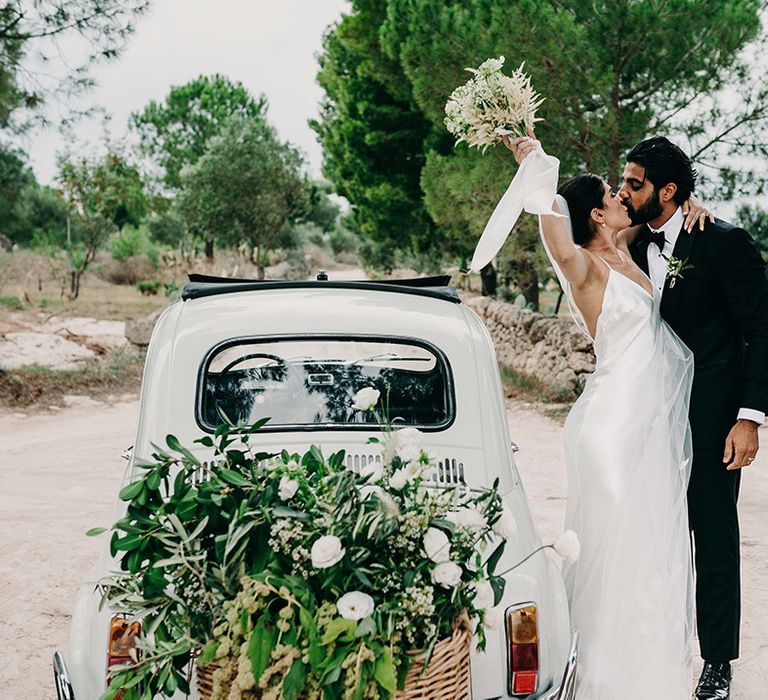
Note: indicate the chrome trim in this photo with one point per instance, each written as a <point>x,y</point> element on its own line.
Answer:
<point>64,689</point>
<point>515,447</point>
<point>567,688</point>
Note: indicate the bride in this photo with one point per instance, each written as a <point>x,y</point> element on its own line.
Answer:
<point>627,443</point>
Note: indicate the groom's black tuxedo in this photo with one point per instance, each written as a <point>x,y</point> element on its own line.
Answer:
<point>719,308</point>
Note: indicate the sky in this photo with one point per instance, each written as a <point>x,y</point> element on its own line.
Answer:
<point>269,46</point>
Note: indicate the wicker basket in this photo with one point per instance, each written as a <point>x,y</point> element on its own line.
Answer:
<point>445,678</point>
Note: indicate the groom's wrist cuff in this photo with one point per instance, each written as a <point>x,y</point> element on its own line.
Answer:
<point>751,414</point>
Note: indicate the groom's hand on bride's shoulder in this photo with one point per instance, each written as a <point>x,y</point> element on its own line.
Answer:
<point>741,445</point>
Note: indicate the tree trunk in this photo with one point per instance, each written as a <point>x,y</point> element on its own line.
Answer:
<point>528,282</point>
<point>74,284</point>
<point>209,248</point>
<point>489,280</point>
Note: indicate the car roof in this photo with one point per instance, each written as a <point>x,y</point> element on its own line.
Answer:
<point>435,287</point>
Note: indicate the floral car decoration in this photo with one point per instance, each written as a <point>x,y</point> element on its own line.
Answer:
<point>293,576</point>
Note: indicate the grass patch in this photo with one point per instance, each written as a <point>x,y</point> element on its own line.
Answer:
<point>13,303</point>
<point>519,385</point>
<point>28,387</point>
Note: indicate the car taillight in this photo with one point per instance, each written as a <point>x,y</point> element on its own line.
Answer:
<point>523,641</point>
<point>121,644</point>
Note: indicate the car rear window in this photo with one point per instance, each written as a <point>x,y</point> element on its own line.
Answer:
<point>310,382</point>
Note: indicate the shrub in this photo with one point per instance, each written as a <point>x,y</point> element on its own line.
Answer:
<point>13,303</point>
<point>149,287</point>
<point>132,242</point>
<point>129,271</point>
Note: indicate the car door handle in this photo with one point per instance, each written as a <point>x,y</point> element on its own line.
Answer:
<point>515,447</point>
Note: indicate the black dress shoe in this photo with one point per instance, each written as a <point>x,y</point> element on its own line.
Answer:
<point>715,682</point>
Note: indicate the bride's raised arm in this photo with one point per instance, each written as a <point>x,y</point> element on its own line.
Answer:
<point>572,260</point>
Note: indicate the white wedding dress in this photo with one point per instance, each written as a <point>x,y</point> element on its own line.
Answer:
<point>628,458</point>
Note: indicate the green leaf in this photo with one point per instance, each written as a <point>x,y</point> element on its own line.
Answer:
<point>285,512</point>
<point>498,584</point>
<point>127,543</point>
<point>493,560</point>
<point>259,648</point>
<point>232,477</point>
<point>365,627</point>
<point>128,493</point>
<point>95,531</point>
<point>384,671</point>
<point>294,680</point>
<point>208,653</point>
<point>338,627</point>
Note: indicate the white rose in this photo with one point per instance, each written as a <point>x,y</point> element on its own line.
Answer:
<point>493,618</point>
<point>409,436</point>
<point>373,471</point>
<point>404,475</point>
<point>568,546</point>
<point>288,488</point>
<point>408,453</point>
<point>366,398</point>
<point>483,595</point>
<point>436,545</point>
<point>467,517</point>
<point>326,551</point>
<point>355,605</point>
<point>447,574</point>
<point>292,464</point>
<point>506,526</point>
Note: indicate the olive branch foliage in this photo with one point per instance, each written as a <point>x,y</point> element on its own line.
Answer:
<point>194,537</point>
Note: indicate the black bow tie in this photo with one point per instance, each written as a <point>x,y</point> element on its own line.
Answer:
<point>656,237</point>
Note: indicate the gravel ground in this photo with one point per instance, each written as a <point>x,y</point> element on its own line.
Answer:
<point>61,473</point>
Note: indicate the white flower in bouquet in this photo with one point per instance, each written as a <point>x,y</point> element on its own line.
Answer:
<point>373,471</point>
<point>483,595</point>
<point>408,453</point>
<point>568,546</point>
<point>326,551</point>
<point>355,605</point>
<point>492,104</point>
<point>447,574</point>
<point>366,398</point>
<point>493,618</point>
<point>506,526</point>
<point>405,475</point>
<point>470,518</point>
<point>288,488</point>
<point>437,545</point>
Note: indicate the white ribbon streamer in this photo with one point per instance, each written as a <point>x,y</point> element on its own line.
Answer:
<point>533,188</point>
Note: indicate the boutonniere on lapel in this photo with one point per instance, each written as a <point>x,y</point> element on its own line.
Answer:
<point>675,268</point>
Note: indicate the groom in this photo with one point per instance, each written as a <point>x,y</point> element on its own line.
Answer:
<point>715,297</point>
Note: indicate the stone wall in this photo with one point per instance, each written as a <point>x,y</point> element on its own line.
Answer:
<point>551,349</point>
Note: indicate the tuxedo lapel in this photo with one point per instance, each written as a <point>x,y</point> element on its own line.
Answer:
<point>639,250</point>
<point>674,287</point>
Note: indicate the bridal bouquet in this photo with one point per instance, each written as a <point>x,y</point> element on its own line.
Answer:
<point>491,105</point>
<point>293,576</point>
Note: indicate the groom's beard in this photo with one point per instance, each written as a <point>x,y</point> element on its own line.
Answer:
<point>649,211</point>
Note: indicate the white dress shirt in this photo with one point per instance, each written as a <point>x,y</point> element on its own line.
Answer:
<point>657,267</point>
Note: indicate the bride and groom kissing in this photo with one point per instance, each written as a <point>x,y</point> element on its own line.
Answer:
<point>676,304</point>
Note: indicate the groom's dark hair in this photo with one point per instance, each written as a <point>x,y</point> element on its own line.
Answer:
<point>664,163</point>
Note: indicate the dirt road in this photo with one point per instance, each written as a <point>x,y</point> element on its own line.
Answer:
<point>61,472</point>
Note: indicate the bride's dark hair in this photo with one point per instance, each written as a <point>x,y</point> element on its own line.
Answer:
<point>583,194</point>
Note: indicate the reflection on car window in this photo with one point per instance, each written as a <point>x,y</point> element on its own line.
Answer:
<point>308,382</point>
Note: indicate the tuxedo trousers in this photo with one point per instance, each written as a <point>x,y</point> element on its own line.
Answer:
<point>713,493</point>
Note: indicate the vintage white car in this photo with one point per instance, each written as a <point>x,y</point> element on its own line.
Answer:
<point>296,351</point>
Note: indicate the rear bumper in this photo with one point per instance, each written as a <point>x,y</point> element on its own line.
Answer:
<point>61,678</point>
<point>565,691</point>
<point>567,688</point>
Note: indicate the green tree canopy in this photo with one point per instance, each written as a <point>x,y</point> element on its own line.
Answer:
<point>244,189</point>
<point>175,132</point>
<point>611,72</point>
<point>102,195</point>
<point>95,30</point>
